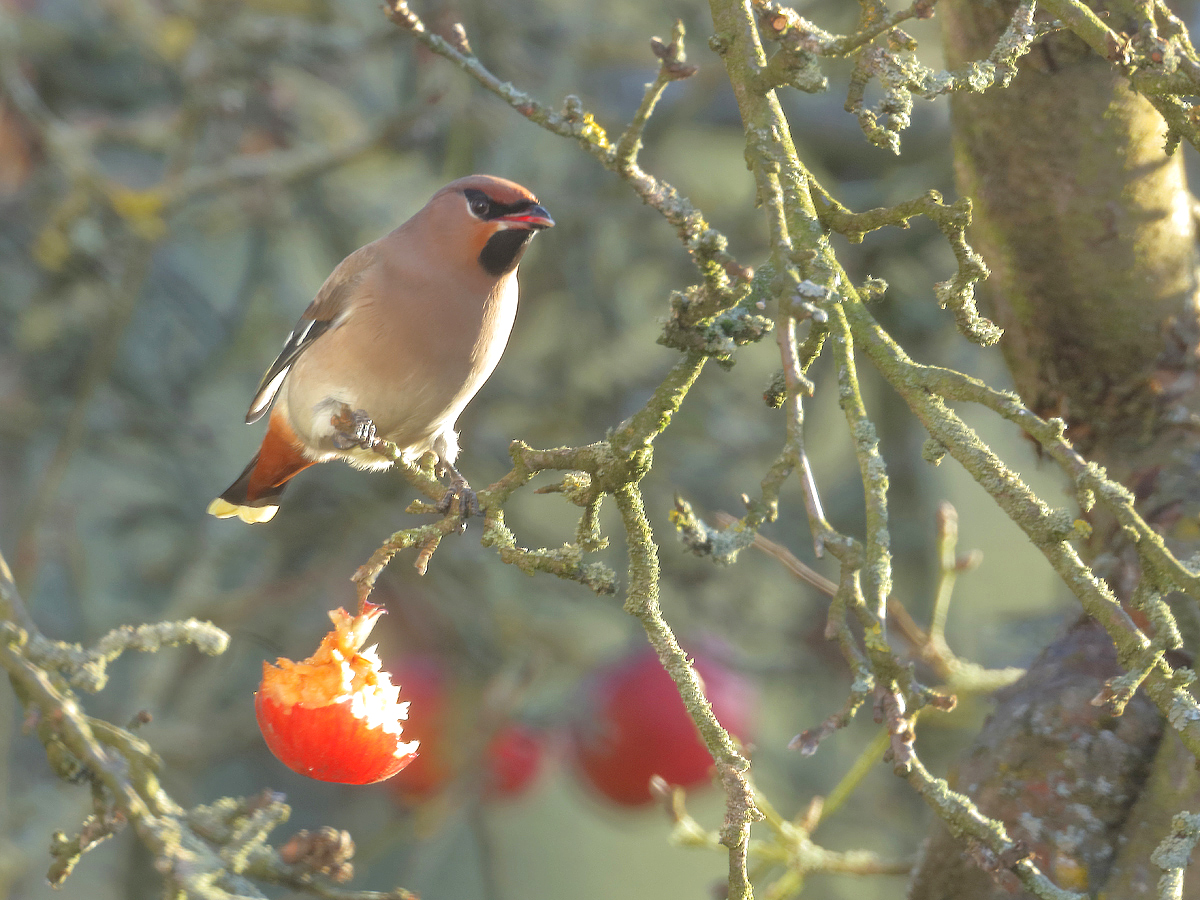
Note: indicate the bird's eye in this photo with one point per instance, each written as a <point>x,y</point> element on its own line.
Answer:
<point>478,204</point>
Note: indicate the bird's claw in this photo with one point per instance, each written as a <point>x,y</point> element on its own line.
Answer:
<point>459,494</point>
<point>354,430</point>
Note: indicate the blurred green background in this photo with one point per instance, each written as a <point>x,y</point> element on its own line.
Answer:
<point>133,338</point>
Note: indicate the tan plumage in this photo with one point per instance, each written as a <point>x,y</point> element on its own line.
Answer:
<point>406,329</point>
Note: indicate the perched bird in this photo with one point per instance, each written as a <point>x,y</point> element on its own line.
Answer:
<point>398,340</point>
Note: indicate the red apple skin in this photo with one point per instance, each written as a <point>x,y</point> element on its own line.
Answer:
<point>632,724</point>
<point>329,743</point>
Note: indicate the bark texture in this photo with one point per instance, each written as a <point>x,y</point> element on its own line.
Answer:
<point>1060,773</point>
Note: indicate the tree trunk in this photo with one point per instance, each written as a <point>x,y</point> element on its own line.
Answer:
<point>1087,227</point>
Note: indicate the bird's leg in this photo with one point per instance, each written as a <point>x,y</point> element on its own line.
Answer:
<point>354,429</point>
<point>460,492</point>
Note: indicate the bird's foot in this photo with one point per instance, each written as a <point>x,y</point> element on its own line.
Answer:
<point>354,430</point>
<point>459,496</point>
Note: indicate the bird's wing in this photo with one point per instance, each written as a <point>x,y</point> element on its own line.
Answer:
<point>325,312</point>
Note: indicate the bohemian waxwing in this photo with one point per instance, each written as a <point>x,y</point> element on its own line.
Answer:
<point>400,338</point>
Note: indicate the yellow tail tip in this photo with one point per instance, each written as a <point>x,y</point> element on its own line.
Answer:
<point>251,515</point>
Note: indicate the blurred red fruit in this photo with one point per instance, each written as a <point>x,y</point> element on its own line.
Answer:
<point>632,724</point>
<point>335,716</point>
<point>427,687</point>
<point>514,758</point>
<point>446,719</point>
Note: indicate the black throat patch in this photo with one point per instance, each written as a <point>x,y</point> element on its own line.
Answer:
<point>503,250</point>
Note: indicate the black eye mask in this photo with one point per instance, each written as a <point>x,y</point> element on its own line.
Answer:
<point>493,209</point>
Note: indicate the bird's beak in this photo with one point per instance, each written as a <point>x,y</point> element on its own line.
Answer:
<point>534,218</point>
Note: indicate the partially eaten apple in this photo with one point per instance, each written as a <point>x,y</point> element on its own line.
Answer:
<point>336,716</point>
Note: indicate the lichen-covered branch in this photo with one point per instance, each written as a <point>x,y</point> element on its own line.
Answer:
<point>959,675</point>
<point>1173,854</point>
<point>898,696</point>
<point>1049,530</point>
<point>674,67</point>
<point>87,669</point>
<point>790,848</point>
<point>896,67</point>
<point>797,33</point>
<point>877,563</point>
<point>642,603</point>
<point>1166,572</point>
<point>958,293</point>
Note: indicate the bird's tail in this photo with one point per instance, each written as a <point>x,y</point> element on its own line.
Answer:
<point>254,497</point>
<point>236,500</point>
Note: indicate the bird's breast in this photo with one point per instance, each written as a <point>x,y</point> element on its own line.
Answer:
<point>412,363</point>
